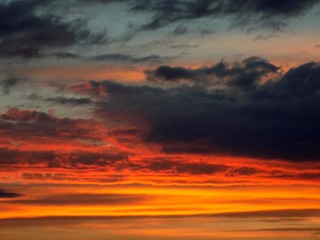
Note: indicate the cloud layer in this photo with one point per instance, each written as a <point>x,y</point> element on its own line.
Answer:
<point>244,13</point>
<point>33,29</point>
<point>242,108</point>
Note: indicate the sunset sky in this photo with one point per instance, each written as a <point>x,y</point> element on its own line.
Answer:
<point>159,119</point>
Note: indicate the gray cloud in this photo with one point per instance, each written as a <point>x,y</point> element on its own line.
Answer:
<point>244,13</point>
<point>180,30</point>
<point>245,74</point>
<point>30,29</point>
<point>237,109</point>
<point>10,82</point>
<point>129,58</point>
<point>70,101</point>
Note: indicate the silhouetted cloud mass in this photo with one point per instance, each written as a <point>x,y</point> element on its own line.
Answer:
<point>245,108</point>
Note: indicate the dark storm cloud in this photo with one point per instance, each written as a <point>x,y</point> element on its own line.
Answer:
<point>28,29</point>
<point>254,111</point>
<point>7,194</point>
<point>272,14</point>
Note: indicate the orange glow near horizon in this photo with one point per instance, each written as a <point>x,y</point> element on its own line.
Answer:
<point>102,178</point>
<point>158,200</point>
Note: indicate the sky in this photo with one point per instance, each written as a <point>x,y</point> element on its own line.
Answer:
<point>159,119</point>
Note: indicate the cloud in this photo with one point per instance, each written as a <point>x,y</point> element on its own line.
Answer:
<point>244,171</point>
<point>129,58</point>
<point>9,83</point>
<point>263,37</point>
<point>180,30</point>
<point>61,142</point>
<point>84,199</point>
<point>70,101</point>
<point>16,157</point>
<point>269,14</point>
<point>44,176</point>
<point>284,213</point>
<point>290,229</point>
<point>181,46</point>
<point>244,74</point>
<point>102,159</point>
<point>31,29</point>
<point>7,194</point>
<point>65,55</point>
<point>20,124</point>
<point>103,1</point>
<point>172,166</point>
<point>315,236</point>
<point>56,159</point>
<point>37,29</point>
<point>244,109</point>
